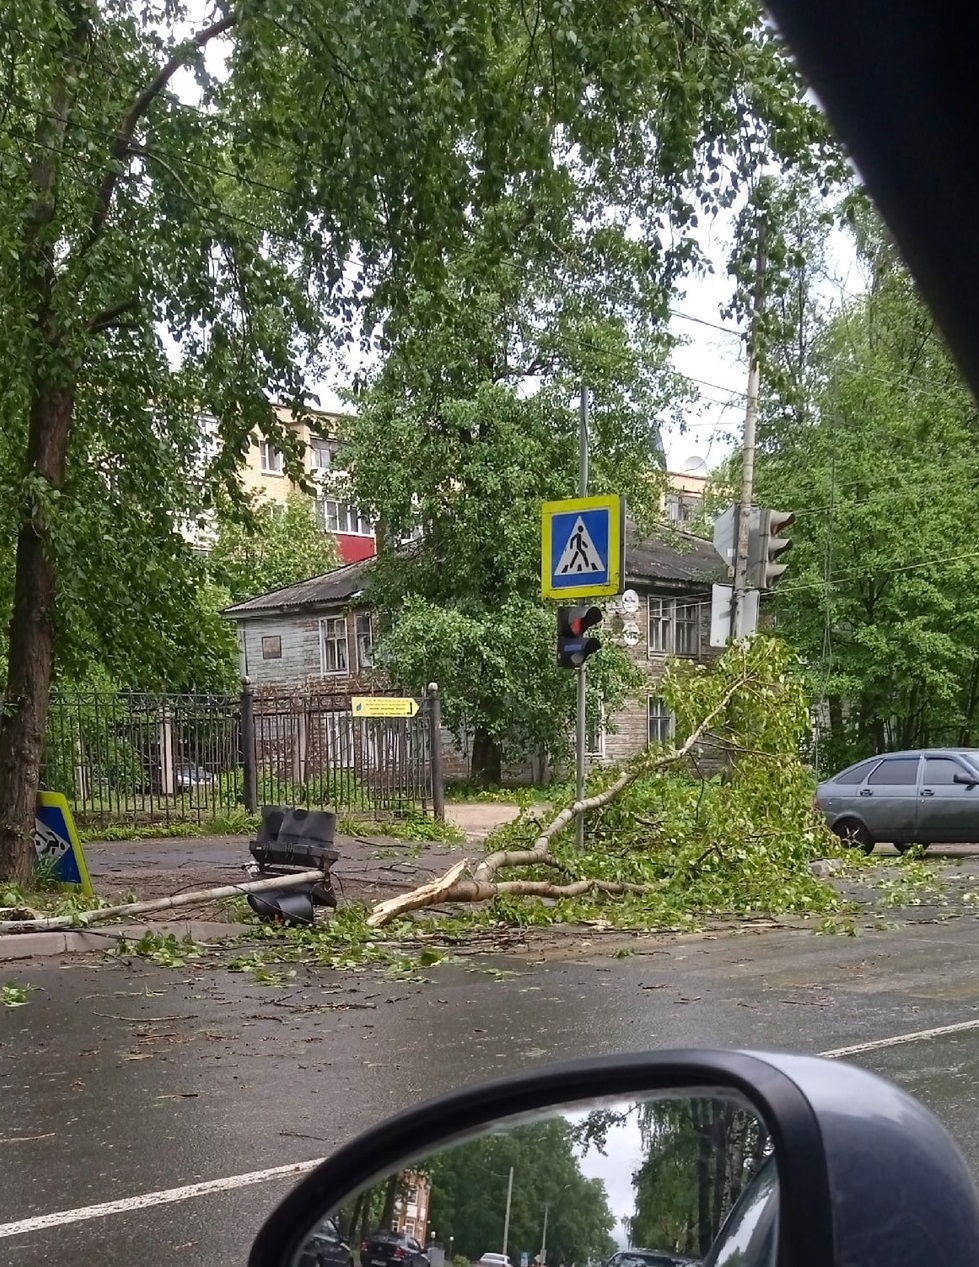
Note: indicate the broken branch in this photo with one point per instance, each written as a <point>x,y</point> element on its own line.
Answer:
<point>482,886</point>
<point>83,918</point>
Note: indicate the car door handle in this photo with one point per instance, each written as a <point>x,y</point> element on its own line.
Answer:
<point>927,791</point>
<point>866,792</point>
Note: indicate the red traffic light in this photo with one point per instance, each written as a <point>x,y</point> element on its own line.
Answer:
<point>573,648</point>
<point>579,623</point>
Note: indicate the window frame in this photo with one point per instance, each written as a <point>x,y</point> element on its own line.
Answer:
<point>667,625</point>
<point>339,672</point>
<point>266,453</point>
<point>317,447</point>
<point>892,761</point>
<point>668,716</point>
<point>362,665</point>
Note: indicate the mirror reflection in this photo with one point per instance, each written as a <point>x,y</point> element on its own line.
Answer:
<point>664,1181</point>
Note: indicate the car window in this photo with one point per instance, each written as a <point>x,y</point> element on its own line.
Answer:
<point>750,1236</point>
<point>895,771</point>
<point>858,773</point>
<point>328,1231</point>
<point>413,1244</point>
<point>942,770</point>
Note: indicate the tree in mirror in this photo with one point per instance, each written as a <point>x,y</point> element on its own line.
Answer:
<point>658,1182</point>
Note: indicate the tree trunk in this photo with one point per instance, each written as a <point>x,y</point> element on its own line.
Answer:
<point>486,766</point>
<point>390,1196</point>
<point>32,631</point>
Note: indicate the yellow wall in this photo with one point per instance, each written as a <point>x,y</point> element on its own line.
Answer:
<point>276,488</point>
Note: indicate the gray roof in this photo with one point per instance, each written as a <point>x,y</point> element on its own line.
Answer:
<point>676,557</point>
<point>683,560</point>
<point>328,590</point>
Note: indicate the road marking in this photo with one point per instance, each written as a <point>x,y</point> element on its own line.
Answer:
<point>164,1197</point>
<point>167,1195</point>
<point>915,1036</point>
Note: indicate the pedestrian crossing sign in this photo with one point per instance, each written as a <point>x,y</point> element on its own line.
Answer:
<point>582,547</point>
<point>57,848</point>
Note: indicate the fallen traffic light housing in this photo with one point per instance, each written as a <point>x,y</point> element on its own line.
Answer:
<point>289,841</point>
<point>283,906</point>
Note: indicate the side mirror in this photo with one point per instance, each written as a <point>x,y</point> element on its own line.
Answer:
<point>723,1158</point>
<point>967,779</point>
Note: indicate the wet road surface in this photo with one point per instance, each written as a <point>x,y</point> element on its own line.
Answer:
<point>124,1079</point>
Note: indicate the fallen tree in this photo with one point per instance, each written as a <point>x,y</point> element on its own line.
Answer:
<point>749,705</point>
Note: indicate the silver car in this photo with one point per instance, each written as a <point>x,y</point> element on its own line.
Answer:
<point>926,797</point>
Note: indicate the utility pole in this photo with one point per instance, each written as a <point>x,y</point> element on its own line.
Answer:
<point>581,723</point>
<point>543,1240</point>
<point>506,1221</point>
<point>748,444</point>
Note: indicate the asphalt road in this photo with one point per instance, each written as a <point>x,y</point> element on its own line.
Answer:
<point>119,1080</point>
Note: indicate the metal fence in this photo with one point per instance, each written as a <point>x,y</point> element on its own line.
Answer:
<point>136,758</point>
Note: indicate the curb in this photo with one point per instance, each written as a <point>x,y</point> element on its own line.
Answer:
<point>72,941</point>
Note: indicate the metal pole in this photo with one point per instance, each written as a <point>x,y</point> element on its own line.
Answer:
<point>249,756</point>
<point>506,1221</point>
<point>437,765</point>
<point>748,448</point>
<point>543,1239</point>
<point>581,719</point>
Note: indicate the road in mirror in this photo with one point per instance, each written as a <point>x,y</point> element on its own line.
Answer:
<point>658,1182</point>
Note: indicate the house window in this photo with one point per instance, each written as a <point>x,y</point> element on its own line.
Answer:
<point>674,627</point>
<point>271,458</point>
<point>683,508</point>
<point>365,641</point>
<point>409,1227</point>
<point>595,732</point>
<point>271,647</point>
<point>320,454</point>
<point>333,645</point>
<point>334,516</point>
<point>660,721</point>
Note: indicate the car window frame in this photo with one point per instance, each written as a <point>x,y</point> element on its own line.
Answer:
<point>874,762</point>
<point>960,764</point>
<point>895,757</point>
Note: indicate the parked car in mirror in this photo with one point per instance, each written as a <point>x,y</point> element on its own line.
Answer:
<point>925,797</point>
<point>326,1248</point>
<point>392,1249</point>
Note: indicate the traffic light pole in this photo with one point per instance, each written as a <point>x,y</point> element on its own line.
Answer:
<point>738,622</point>
<point>581,720</point>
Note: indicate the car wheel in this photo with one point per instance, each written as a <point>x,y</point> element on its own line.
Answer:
<point>854,835</point>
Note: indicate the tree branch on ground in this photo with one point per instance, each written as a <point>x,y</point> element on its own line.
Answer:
<point>481,884</point>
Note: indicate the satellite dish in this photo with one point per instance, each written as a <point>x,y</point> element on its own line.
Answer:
<point>630,634</point>
<point>630,601</point>
<point>695,465</point>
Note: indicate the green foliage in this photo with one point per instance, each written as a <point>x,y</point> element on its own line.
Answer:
<point>12,995</point>
<point>274,548</point>
<point>869,419</point>
<point>708,844</point>
<point>167,950</point>
<point>469,1190</point>
<point>234,823</point>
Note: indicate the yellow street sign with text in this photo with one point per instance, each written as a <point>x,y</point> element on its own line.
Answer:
<point>382,706</point>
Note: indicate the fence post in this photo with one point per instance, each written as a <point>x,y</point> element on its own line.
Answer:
<point>435,732</point>
<point>248,755</point>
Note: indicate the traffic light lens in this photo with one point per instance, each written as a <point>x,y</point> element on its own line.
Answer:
<point>576,627</point>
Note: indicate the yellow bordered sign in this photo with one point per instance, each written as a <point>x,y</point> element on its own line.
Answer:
<point>56,843</point>
<point>582,547</point>
<point>382,706</point>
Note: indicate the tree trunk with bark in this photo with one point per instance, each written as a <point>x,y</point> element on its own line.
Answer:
<point>32,636</point>
<point>486,766</point>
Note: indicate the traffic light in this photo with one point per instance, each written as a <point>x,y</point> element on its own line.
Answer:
<point>767,543</point>
<point>573,648</point>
